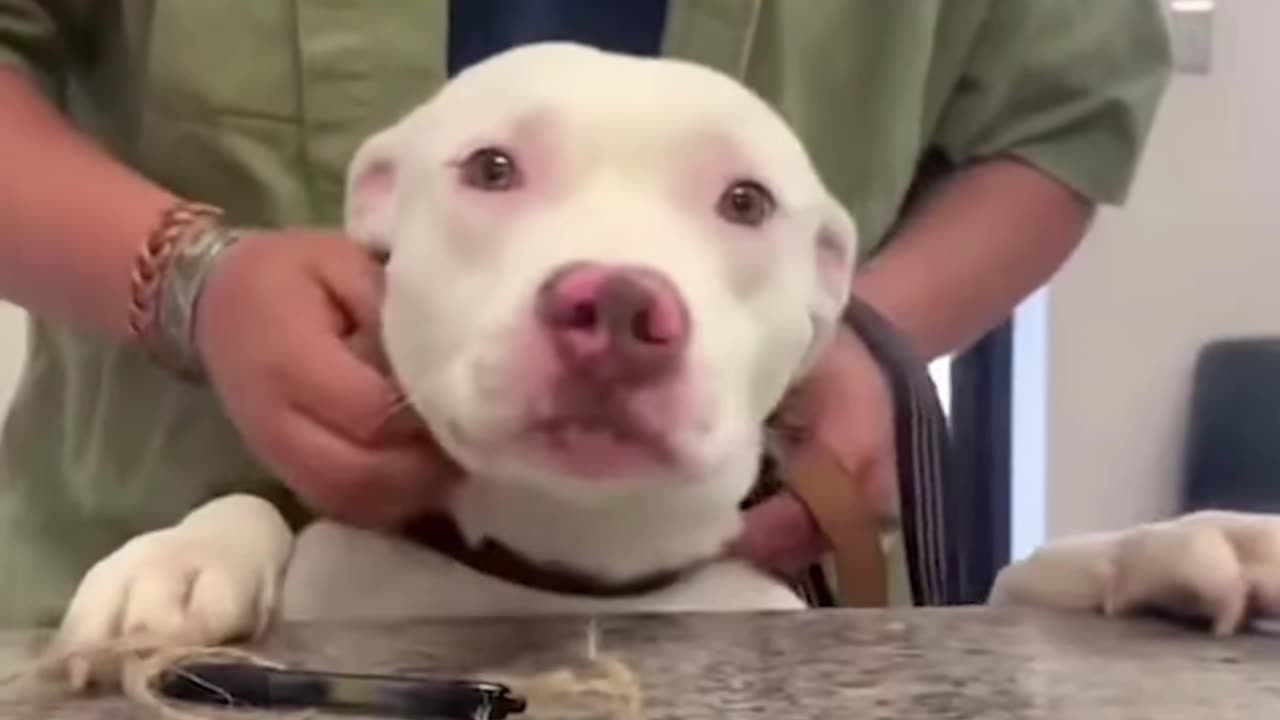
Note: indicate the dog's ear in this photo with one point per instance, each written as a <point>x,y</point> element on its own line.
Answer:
<point>836,251</point>
<point>372,179</point>
<point>835,245</point>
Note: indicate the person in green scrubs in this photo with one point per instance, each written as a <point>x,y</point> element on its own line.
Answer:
<point>1029,114</point>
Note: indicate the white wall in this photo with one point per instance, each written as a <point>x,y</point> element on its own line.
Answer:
<point>1195,256</point>
<point>13,343</point>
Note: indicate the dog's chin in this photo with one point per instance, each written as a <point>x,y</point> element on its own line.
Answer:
<point>607,507</point>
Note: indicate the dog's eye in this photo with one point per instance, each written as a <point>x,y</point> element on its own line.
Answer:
<point>490,169</point>
<point>746,203</point>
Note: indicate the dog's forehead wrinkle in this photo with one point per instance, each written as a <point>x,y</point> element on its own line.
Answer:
<point>624,112</point>
<point>583,81</point>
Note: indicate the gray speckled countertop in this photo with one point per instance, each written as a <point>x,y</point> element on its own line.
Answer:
<point>959,664</point>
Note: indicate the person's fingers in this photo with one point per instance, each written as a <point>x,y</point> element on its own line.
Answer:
<point>406,482</point>
<point>780,536</point>
<point>332,386</point>
<point>356,484</point>
<point>328,382</point>
<point>366,344</point>
<point>864,448</point>
<point>791,420</point>
<point>354,281</point>
<point>342,378</point>
<point>331,382</point>
<point>402,424</point>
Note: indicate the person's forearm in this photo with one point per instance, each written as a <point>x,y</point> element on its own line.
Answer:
<point>72,219</point>
<point>965,259</point>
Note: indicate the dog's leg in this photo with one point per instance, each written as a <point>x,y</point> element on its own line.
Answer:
<point>1214,566</point>
<point>210,579</point>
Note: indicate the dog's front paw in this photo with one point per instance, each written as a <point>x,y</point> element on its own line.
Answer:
<point>1218,566</point>
<point>211,579</point>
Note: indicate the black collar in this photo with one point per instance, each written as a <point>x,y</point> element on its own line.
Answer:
<point>496,560</point>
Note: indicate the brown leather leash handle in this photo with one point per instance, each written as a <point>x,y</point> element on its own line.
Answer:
<point>923,444</point>
<point>847,521</point>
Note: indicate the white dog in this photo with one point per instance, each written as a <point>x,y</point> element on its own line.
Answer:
<point>604,272</point>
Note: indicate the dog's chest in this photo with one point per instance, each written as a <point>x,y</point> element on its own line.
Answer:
<point>340,573</point>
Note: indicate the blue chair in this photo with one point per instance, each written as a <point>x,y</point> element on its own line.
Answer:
<point>1232,456</point>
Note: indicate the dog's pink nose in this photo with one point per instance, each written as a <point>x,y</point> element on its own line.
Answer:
<point>623,323</point>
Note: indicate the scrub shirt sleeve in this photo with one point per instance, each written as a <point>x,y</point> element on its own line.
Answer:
<point>1069,86</point>
<point>38,36</point>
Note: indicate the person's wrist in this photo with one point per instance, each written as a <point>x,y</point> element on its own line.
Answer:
<point>193,262</point>
<point>168,277</point>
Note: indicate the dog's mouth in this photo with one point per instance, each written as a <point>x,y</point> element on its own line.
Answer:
<point>605,443</point>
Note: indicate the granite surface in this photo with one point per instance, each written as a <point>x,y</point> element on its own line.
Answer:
<point>955,664</point>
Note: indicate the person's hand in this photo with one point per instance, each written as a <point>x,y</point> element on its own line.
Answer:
<point>285,325</point>
<point>843,407</point>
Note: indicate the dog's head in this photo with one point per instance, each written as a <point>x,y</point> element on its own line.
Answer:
<point>604,271</point>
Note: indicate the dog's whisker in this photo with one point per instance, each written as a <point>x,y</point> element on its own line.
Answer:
<point>403,402</point>
<point>399,406</point>
<point>593,639</point>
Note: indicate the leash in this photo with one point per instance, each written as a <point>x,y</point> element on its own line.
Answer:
<point>851,527</point>
<point>836,502</point>
<point>923,445</point>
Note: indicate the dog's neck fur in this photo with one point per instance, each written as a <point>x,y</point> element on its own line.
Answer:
<point>651,532</point>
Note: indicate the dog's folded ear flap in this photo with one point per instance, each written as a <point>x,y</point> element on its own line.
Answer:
<point>835,242</point>
<point>371,191</point>
<point>836,250</point>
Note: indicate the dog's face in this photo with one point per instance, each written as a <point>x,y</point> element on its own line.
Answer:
<point>604,271</point>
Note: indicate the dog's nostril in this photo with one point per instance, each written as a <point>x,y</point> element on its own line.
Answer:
<point>581,316</point>
<point>624,320</point>
<point>643,327</point>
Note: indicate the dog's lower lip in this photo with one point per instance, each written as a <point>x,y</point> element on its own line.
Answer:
<point>601,446</point>
<point>618,429</point>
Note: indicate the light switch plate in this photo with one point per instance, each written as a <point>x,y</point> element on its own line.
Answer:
<point>1191,29</point>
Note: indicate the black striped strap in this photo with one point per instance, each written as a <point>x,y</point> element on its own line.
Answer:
<point>923,446</point>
